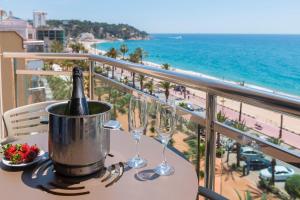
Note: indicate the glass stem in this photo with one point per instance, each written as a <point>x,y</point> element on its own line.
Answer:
<point>137,148</point>
<point>164,154</point>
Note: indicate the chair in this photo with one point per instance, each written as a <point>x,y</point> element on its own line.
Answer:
<point>26,119</point>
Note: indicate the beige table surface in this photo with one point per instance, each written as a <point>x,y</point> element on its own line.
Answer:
<point>182,185</point>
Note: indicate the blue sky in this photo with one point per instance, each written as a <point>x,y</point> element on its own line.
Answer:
<point>174,16</point>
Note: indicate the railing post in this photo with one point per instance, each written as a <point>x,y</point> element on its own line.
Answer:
<point>2,135</point>
<point>210,142</point>
<point>198,164</point>
<point>91,80</point>
<point>14,81</point>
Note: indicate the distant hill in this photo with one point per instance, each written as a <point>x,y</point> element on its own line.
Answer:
<point>74,28</point>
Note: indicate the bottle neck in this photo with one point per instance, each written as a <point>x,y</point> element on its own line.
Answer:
<point>78,91</point>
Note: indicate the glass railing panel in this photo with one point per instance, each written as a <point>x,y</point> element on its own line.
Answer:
<point>43,88</point>
<point>252,173</point>
<point>265,124</point>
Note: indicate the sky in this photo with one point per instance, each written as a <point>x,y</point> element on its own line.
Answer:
<point>174,16</point>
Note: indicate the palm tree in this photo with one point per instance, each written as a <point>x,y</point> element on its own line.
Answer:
<point>67,64</point>
<point>150,86</point>
<point>141,79</point>
<point>99,91</point>
<point>140,53</point>
<point>221,117</point>
<point>112,53</point>
<point>56,47</point>
<point>191,154</point>
<point>77,47</point>
<point>119,102</point>
<point>241,103</point>
<point>166,66</point>
<point>61,87</point>
<point>240,125</point>
<point>134,57</point>
<point>276,141</point>
<point>123,50</point>
<point>166,86</point>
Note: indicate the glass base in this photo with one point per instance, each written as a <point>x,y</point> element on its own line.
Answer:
<point>137,162</point>
<point>164,169</point>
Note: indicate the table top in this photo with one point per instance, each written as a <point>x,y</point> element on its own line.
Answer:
<point>26,183</point>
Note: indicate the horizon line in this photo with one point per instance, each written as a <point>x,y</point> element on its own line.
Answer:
<point>208,33</point>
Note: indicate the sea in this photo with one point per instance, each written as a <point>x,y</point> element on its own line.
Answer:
<point>270,62</point>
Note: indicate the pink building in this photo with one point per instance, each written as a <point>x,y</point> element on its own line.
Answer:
<point>22,27</point>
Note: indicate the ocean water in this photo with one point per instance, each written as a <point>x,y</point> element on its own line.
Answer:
<point>270,61</point>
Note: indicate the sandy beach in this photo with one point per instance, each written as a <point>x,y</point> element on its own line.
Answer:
<point>269,120</point>
<point>89,46</point>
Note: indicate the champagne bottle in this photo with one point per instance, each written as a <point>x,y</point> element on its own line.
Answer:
<point>78,104</point>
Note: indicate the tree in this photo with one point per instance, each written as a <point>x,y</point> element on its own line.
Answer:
<point>221,117</point>
<point>77,47</point>
<point>99,91</point>
<point>292,186</point>
<point>166,66</point>
<point>241,103</point>
<point>133,57</point>
<point>166,86</point>
<point>57,47</point>
<point>123,50</point>
<point>276,141</point>
<point>140,53</point>
<point>150,86</point>
<point>240,125</point>
<point>61,88</point>
<point>112,53</point>
<point>191,154</point>
<point>141,79</point>
<point>119,100</point>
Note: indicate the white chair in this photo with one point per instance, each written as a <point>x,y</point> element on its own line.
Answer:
<point>26,119</point>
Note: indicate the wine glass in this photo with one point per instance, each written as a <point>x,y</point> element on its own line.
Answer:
<point>137,126</point>
<point>165,127</point>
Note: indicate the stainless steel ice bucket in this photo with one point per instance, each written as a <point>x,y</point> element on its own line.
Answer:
<point>78,145</point>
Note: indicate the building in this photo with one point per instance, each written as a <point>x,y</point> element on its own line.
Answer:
<point>22,27</point>
<point>34,45</point>
<point>39,19</point>
<point>49,35</point>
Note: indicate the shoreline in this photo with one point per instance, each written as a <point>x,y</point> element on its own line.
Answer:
<point>188,72</point>
<point>267,116</point>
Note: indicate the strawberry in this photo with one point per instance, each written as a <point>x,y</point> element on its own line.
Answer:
<point>30,156</point>
<point>35,149</point>
<point>25,148</point>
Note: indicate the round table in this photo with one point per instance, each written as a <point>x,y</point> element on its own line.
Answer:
<point>182,185</point>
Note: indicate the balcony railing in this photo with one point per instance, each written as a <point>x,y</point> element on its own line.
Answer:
<point>213,88</point>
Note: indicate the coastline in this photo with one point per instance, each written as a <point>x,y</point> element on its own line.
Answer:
<point>90,46</point>
<point>263,115</point>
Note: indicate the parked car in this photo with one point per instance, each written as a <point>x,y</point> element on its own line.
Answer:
<point>229,122</point>
<point>250,153</point>
<point>190,107</point>
<point>258,163</point>
<point>281,173</point>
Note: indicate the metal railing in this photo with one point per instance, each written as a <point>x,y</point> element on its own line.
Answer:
<point>213,88</point>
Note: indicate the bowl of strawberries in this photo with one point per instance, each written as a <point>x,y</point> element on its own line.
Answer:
<point>21,155</point>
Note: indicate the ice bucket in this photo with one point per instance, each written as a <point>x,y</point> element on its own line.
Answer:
<point>78,145</point>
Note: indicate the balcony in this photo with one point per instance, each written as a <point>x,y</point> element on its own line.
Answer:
<point>210,134</point>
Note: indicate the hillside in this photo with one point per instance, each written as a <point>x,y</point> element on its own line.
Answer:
<point>101,30</point>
